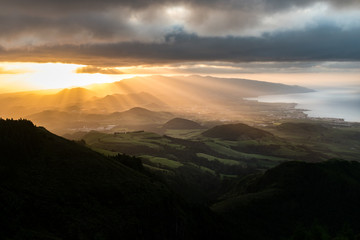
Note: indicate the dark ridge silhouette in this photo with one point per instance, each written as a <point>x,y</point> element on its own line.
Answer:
<point>181,123</point>
<point>52,188</point>
<point>139,111</point>
<point>296,200</point>
<point>139,115</point>
<point>237,131</point>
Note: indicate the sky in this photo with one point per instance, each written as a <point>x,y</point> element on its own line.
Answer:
<point>53,43</point>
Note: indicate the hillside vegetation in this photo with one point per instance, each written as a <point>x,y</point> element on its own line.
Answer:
<point>235,132</point>
<point>296,200</point>
<point>52,188</point>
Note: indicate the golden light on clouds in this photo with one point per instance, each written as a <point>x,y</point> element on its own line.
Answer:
<point>36,76</point>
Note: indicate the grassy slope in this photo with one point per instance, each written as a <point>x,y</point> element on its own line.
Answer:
<point>339,142</point>
<point>296,199</point>
<point>254,150</point>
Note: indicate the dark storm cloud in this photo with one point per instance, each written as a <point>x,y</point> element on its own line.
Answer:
<point>48,22</point>
<point>317,44</point>
<point>85,5</point>
<point>133,32</point>
<point>60,29</point>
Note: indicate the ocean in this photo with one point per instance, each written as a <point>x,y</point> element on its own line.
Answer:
<point>326,102</point>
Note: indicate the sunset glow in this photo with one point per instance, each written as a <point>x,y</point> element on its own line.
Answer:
<point>180,119</point>
<point>32,76</point>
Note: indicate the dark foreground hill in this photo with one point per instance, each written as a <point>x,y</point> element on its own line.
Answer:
<point>297,200</point>
<point>237,131</point>
<point>52,188</point>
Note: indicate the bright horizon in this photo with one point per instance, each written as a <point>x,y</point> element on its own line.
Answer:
<point>18,77</point>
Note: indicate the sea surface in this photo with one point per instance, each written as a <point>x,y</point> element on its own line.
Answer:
<point>325,102</point>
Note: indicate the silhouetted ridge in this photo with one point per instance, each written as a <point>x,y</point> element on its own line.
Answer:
<point>141,116</point>
<point>297,200</point>
<point>236,131</point>
<point>52,188</point>
<point>181,123</point>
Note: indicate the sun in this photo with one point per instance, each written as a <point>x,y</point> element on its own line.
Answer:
<point>36,76</point>
<point>59,75</point>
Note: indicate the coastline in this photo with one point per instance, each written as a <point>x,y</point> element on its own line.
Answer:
<point>331,104</point>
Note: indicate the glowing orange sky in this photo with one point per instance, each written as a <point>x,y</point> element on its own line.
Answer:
<point>34,76</point>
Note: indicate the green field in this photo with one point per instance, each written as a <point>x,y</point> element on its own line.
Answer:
<point>222,160</point>
<point>226,150</point>
<point>183,134</point>
<point>179,152</point>
<point>159,161</point>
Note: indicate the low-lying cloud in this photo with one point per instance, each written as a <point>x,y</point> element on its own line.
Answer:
<point>93,69</point>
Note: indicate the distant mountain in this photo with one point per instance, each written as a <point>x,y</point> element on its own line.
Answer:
<point>296,200</point>
<point>206,96</point>
<point>64,121</point>
<point>70,96</point>
<point>235,132</point>
<point>181,123</point>
<point>248,87</point>
<point>138,115</point>
<point>27,103</point>
<point>195,89</point>
<point>121,102</point>
<point>52,188</point>
<point>76,100</point>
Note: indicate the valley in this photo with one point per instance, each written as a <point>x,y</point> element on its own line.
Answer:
<point>144,149</point>
<point>179,120</point>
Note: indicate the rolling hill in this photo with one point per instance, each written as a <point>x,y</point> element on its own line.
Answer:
<point>302,128</point>
<point>235,132</point>
<point>62,122</point>
<point>181,123</point>
<point>53,188</point>
<point>138,115</point>
<point>296,200</point>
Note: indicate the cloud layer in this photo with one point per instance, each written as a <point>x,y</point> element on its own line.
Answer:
<point>132,32</point>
